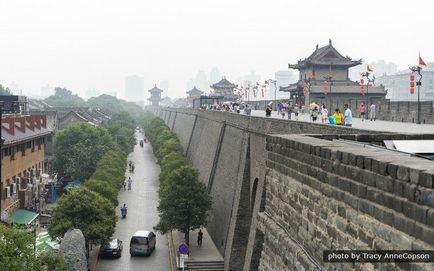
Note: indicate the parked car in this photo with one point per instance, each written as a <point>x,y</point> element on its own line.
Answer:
<point>142,243</point>
<point>112,249</point>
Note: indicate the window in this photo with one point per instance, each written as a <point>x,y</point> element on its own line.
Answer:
<point>29,144</point>
<point>23,149</point>
<point>7,152</point>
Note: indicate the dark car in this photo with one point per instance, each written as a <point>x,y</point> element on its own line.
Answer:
<point>112,249</point>
<point>142,243</point>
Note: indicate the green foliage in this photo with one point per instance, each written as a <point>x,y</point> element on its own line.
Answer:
<point>5,91</point>
<point>64,97</point>
<point>121,127</point>
<point>184,201</point>
<point>107,191</point>
<point>86,210</point>
<point>17,253</point>
<point>78,148</point>
<point>111,170</point>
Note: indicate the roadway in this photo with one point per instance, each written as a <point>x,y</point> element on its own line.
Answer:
<point>378,125</point>
<point>142,201</point>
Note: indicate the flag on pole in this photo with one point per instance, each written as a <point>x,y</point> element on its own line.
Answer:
<point>369,69</point>
<point>421,62</point>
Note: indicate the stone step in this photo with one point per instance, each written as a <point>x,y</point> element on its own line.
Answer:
<point>205,265</point>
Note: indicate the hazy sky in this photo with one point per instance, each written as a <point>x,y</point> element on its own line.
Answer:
<point>82,44</point>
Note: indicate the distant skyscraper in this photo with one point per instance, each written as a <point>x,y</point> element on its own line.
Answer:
<point>134,88</point>
<point>214,75</point>
<point>284,78</point>
<point>164,85</point>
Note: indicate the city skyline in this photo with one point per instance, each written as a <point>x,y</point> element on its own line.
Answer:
<point>80,45</point>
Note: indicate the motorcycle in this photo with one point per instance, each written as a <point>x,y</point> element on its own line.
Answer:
<point>124,212</point>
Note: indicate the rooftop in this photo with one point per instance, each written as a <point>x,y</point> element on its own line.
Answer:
<point>194,92</point>
<point>155,89</point>
<point>224,83</point>
<point>325,56</point>
<point>21,128</point>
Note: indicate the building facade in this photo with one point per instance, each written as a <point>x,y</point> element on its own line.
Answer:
<point>23,161</point>
<point>226,89</point>
<point>398,85</point>
<point>323,76</point>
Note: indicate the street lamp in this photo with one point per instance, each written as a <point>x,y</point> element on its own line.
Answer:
<point>418,69</point>
<point>369,80</point>
<point>274,82</point>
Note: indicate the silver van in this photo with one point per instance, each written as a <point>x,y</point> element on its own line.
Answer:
<point>142,243</point>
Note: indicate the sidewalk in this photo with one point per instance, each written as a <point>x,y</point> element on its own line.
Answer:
<point>207,252</point>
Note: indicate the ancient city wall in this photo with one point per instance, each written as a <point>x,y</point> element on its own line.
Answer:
<point>332,195</point>
<point>231,153</point>
<point>386,110</point>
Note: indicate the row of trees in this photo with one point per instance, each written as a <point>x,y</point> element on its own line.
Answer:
<point>98,156</point>
<point>183,199</point>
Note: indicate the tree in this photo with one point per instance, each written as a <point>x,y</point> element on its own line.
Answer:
<point>86,210</point>
<point>103,189</point>
<point>5,91</point>
<point>184,202</point>
<point>64,97</point>
<point>78,148</point>
<point>17,253</point>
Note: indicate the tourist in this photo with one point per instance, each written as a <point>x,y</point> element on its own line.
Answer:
<point>247,110</point>
<point>324,114</point>
<point>362,111</point>
<point>372,111</point>
<point>338,117</point>
<point>283,111</point>
<point>289,108</point>
<point>348,117</point>
<point>268,111</point>
<point>296,111</point>
<point>314,114</point>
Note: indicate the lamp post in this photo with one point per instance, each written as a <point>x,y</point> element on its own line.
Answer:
<point>368,81</point>
<point>274,82</point>
<point>418,69</point>
<point>329,80</point>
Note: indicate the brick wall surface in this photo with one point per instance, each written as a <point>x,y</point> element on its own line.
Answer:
<point>331,195</point>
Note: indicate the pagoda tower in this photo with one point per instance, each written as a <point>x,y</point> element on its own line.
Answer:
<point>155,95</point>
<point>225,89</point>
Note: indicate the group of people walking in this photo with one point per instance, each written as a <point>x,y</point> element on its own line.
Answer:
<point>363,112</point>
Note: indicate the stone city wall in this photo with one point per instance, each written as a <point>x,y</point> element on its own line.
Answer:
<point>230,153</point>
<point>386,110</point>
<point>323,194</point>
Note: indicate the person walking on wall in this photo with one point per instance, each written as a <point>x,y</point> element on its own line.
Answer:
<point>199,238</point>
<point>362,111</point>
<point>372,111</point>
<point>324,114</point>
<point>268,111</point>
<point>337,116</point>
<point>348,116</point>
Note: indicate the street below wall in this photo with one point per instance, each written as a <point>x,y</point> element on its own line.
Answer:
<point>142,201</point>
<point>378,125</point>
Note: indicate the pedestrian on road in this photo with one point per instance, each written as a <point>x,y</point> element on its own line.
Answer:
<point>362,111</point>
<point>199,238</point>
<point>129,183</point>
<point>348,117</point>
<point>372,111</point>
<point>124,185</point>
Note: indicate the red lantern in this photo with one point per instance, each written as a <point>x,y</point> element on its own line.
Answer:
<point>305,89</point>
<point>326,87</point>
<point>254,93</point>
<point>262,90</point>
<point>411,83</point>
<point>362,87</point>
